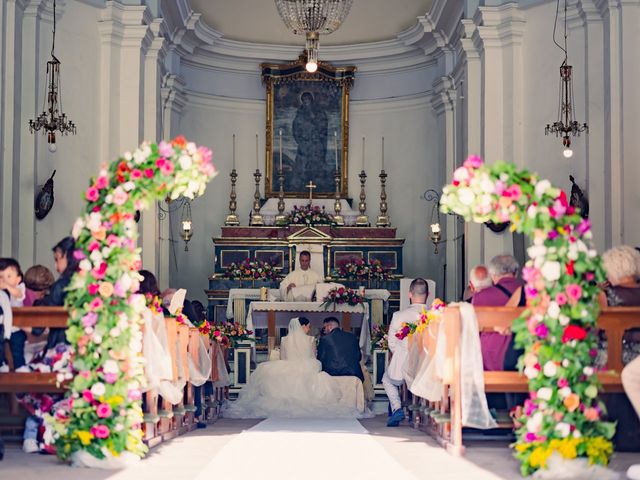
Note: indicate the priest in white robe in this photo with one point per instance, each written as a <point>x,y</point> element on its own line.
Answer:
<point>300,284</point>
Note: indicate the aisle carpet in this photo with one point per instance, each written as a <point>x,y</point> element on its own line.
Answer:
<point>317,448</point>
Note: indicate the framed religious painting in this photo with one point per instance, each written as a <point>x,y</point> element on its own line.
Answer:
<point>307,132</point>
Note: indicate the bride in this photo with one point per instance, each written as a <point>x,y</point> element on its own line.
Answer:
<point>294,386</point>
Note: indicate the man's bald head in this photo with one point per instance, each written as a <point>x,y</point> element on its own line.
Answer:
<point>479,278</point>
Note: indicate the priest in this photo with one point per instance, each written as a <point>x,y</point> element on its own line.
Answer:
<point>300,284</point>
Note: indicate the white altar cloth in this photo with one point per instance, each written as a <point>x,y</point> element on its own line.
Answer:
<point>314,307</point>
<point>270,208</point>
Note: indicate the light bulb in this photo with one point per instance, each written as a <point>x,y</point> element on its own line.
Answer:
<point>186,225</point>
<point>435,228</point>
<point>311,67</point>
<point>52,147</point>
<point>567,152</point>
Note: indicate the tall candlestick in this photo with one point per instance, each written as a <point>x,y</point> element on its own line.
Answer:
<point>257,161</point>
<point>234,151</point>
<point>383,153</point>
<point>280,136</point>
<point>335,143</point>
<point>363,153</point>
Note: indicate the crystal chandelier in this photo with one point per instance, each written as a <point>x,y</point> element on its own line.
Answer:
<point>312,18</point>
<point>566,124</point>
<point>52,118</point>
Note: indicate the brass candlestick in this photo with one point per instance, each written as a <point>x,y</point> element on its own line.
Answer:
<point>337,206</point>
<point>281,218</point>
<point>362,220</point>
<point>256,217</point>
<point>383,218</point>
<point>232,218</point>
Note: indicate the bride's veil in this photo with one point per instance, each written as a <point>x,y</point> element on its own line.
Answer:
<point>297,343</point>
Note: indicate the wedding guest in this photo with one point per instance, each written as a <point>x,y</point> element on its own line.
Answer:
<point>479,279</point>
<point>393,377</point>
<point>6,318</point>
<point>622,265</point>
<point>38,279</point>
<point>503,270</point>
<point>300,277</point>
<point>11,280</point>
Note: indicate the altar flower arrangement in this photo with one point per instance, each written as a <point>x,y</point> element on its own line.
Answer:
<point>558,330</point>
<point>104,418</point>
<point>309,215</point>
<point>423,321</point>
<point>342,296</point>
<point>380,337</point>
<point>361,270</point>
<point>217,333</point>
<point>251,270</point>
<point>236,333</point>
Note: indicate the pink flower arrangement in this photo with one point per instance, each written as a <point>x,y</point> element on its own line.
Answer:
<point>103,410</point>
<point>100,431</point>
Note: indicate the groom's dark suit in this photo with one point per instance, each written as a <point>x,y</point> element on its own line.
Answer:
<point>339,354</point>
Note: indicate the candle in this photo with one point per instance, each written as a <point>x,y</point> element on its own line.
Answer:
<point>335,143</point>
<point>234,151</point>
<point>435,228</point>
<point>383,154</point>
<point>186,225</point>
<point>280,136</point>
<point>363,153</point>
<point>257,161</point>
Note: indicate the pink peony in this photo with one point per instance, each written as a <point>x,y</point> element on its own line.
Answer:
<point>103,410</point>
<point>89,320</point>
<point>165,149</point>
<point>110,378</point>
<point>92,194</point>
<point>100,431</point>
<point>542,331</point>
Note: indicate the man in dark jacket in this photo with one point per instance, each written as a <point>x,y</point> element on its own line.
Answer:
<point>339,351</point>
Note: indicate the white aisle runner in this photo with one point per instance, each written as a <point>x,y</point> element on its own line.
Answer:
<point>327,449</point>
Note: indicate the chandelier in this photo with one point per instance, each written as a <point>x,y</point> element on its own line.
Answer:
<point>52,118</point>
<point>567,124</point>
<point>312,18</point>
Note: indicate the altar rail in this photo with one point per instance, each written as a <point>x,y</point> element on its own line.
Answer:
<point>443,419</point>
<point>160,424</point>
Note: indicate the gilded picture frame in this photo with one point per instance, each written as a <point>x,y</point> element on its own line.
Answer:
<point>311,112</point>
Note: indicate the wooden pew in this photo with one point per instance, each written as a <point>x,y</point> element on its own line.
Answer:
<point>443,419</point>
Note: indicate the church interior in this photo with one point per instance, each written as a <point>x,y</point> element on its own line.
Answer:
<point>192,191</point>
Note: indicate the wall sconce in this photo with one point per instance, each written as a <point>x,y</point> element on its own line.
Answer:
<point>435,235</point>
<point>186,222</point>
<point>187,225</point>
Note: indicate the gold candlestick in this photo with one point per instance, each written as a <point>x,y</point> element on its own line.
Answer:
<point>232,218</point>
<point>337,206</point>
<point>281,218</point>
<point>362,220</point>
<point>256,217</point>
<point>383,218</point>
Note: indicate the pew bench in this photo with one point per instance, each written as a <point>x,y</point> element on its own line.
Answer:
<point>443,419</point>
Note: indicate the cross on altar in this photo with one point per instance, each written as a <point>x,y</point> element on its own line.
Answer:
<point>310,186</point>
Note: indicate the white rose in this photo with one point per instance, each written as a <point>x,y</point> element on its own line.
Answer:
<point>115,332</point>
<point>553,310</point>
<point>486,185</point>
<point>461,174</point>
<point>564,392</point>
<point>97,338</point>
<point>108,199</point>
<point>565,363</point>
<point>139,157</point>
<point>531,372</point>
<point>592,253</point>
<point>577,434</point>
<point>146,149</point>
<point>572,254</point>
<point>96,257</point>
<point>127,156</point>
<point>532,211</point>
<point>535,422</point>
<point>77,227</point>
<point>111,366</point>
<point>551,271</point>
<point>588,371</point>
<point>564,320</point>
<point>85,265</point>
<point>550,369</point>
<point>536,251</point>
<point>98,389</point>
<point>563,429</point>
<point>185,162</point>
<point>466,196</point>
<point>545,393</point>
<point>94,222</point>
<point>128,186</point>
<point>542,187</point>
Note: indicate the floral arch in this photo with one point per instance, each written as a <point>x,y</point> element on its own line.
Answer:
<point>558,328</point>
<point>104,415</point>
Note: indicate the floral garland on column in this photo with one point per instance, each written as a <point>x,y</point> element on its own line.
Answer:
<point>558,329</point>
<point>104,416</point>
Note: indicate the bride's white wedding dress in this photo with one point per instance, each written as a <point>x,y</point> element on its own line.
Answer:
<point>294,386</point>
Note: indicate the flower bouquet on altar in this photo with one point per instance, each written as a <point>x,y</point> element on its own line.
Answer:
<point>309,215</point>
<point>361,270</point>
<point>251,270</point>
<point>380,337</point>
<point>342,296</point>
<point>426,317</point>
<point>236,333</point>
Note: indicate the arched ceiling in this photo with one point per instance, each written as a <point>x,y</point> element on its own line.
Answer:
<point>258,21</point>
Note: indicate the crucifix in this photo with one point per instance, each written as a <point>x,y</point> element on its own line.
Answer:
<point>310,186</point>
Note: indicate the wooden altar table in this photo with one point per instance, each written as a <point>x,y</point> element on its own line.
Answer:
<point>274,315</point>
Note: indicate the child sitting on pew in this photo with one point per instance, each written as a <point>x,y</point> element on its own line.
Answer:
<point>11,282</point>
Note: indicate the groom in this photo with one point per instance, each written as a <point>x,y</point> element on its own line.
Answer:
<point>339,351</point>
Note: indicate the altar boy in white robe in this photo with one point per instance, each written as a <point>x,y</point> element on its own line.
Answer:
<point>393,375</point>
<point>300,284</point>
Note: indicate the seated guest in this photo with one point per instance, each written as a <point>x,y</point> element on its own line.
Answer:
<point>503,270</point>
<point>66,265</point>
<point>6,320</point>
<point>339,351</point>
<point>479,279</point>
<point>393,376</point>
<point>622,266</point>
<point>291,288</point>
<point>38,279</point>
<point>11,281</point>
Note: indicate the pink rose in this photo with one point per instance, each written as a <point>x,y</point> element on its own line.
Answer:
<point>563,382</point>
<point>101,182</point>
<point>167,168</point>
<point>165,149</point>
<point>100,431</point>
<point>93,288</point>
<point>574,292</point>
<point>110,378</point>
<point>92,194</point>
<point>473,161</point>
<point>96,304</point>
<point>87,396</point>
<point>136,174</point>
<point>514,192</point>
<point>149,173</point>
<point>89,320</point>
<point>99,273</point>
<point>135,394</point>
<point>94,245</point>
<point>103,410</point>
<point>561,298</point>
<point>112,240</point>
<point>120,196</point>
